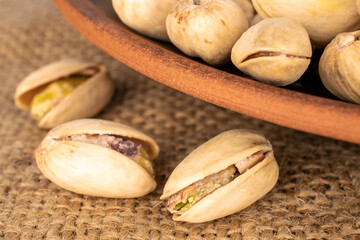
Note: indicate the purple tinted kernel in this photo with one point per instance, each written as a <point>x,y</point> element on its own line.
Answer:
<point>126,147</point>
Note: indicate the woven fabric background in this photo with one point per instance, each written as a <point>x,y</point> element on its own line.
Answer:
<point>316,197</point>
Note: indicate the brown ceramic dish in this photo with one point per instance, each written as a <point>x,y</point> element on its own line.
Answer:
<point>305,105</point>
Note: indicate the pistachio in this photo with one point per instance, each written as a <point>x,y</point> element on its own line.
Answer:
<point>222,176</point>
<point>65,90</point>
<point>322,19</point>
<point>358,5</point>
<point>339,66</point>
<point>144,16</point>
<point>206,28</point>
<point>99,158</point>
<point>275,51</point>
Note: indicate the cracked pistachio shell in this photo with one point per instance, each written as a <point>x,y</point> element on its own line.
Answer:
<point>91,169</point>
<point>322,19</point>
<point>247,7</point>
<point>206,28</point>
<point>339,66</point>
<point>145,16</point>
<point>215,155</point>
<point>86,100</point>
<point>276,51</point>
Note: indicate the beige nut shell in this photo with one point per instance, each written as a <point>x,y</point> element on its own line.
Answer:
<point>283,36</point>
<point>321,18</point>
<point>91,169</point>
<point>247,7</point>
<point>255,20</point>
<point>144,16</point>
<point>208,30</point>
<point>215,155</point>
<point>86,100</point>
<point>339,66</point>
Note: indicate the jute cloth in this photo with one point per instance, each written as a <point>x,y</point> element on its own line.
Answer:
<point>317,195</point>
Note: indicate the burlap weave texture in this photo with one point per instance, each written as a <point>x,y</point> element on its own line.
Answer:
<point>316,197</point>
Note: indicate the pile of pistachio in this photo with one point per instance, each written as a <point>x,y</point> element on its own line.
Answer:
<point>108,159</point>
<point>230,171</point>
<point>274,45</point>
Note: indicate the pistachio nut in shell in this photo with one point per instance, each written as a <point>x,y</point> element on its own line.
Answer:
<point>222,176</point>
<point>339,66</point>
<point>206,28</point>
<point>276,51</point>
<point>358,5</point>
<point>322,19</point>
<point>65,90</point>
<point>99,158</point>
<point>144,16</point>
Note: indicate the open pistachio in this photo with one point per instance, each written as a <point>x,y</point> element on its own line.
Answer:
<point>222,176</point>
<point>322,19</point>
<point>339,66</point>
<point>99,158</point>
<point>206,28</point>
<point>65,90</point>
<point>275,51</point>
<point>144,16</point>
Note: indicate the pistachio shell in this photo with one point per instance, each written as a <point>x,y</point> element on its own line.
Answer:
<point>86,100</point>
<point>207,29</point>
<point>247,7</point>
<point>275,51</point>
<point>145,17</point>
<point>92,169</point>
<point>215,155</point>
<point>339,66</point>
<point>322,19</point>
<point>358,5</point>
<point>255,20</point>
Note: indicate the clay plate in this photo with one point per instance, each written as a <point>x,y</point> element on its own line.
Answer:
<point>305,105</point>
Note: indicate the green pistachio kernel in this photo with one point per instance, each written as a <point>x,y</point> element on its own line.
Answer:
<point>143,159</point>
<point>180,205</point>
<point>195,193</point>
<point>198,193</point>
<point>52,94</point>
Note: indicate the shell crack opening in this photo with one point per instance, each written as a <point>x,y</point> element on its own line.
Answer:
<point>131,148</point>
<point>52,94</point>
<point>184,199</point>
<point>272,54</point>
